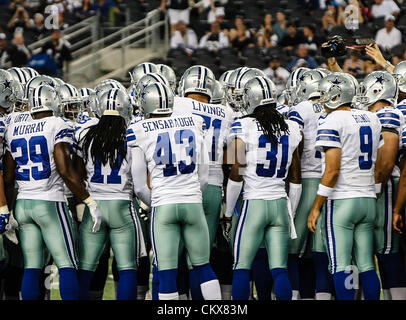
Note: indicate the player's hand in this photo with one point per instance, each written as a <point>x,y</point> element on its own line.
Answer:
<point>4,219</point>
<point>94,212</point>
<point>312,220</point>
<point>397,221</point>
<point>226,226</point>
<point>375,53</point>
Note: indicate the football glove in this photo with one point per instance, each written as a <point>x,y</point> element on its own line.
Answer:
<point>226,226</point>
<point>4,219</point>
<point>94,212</point>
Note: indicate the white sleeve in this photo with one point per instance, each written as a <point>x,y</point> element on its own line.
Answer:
<point>223,40</point>
<point>139,171</point>
<point>393,6</point>
<point>175,40</point>
<point>203,41</point>
<point>192,40</point>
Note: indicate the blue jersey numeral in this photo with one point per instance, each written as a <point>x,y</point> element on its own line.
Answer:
<point>365,134</point>
<point>29,151</point>
<point>163,152</point>
<point>112,178</point>
<point>216,123</point>
<point>271,156</point>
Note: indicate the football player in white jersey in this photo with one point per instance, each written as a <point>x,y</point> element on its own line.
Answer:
<point>378,93</point>
<point>398,223</point>
<point>38,158</point>
<point>306,113</point>
<point>349,140</point>
<point>106,164</point>
<point>172,150</point>
<point>197,89</point>
<point>265,152</point>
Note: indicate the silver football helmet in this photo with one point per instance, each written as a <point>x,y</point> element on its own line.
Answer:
<point>59,82</point>
<point>292,82</point>
<point>336,90</point>
<point>259,91</point>
<point>230,84</point>
<point>307,86</point>
<point>240,83</point>
<point>400,75</point>
<point>7,92</point>
<point>116,102</point>
<point>169,74</point>
<point>36,82</point>
<point>19,75</point>
<point>116,82</point>
<point>31,72</point>
<point>89,99</point>
<point>141,70</point>
<point>283,98</point>
<point>44,98</point>
<point>219,93</point>
<point>71,102</point>
<point>145,81</point>
<point>197,79</point>
<point>19,105</point>
<point>224,78</point>
<point>377,86</point>
<point>101,88</point>
<point>157,99</point>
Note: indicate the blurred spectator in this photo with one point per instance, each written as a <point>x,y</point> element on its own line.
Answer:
<point>389,36</point>
<point>354,65</point>
<point>312,41</point>
<point>238,25</point>
<point>104,6</point>
<point>215,10</point>
<point>19,21</point>
<point>241,41</point>
<point>330,18</point>
<point>19,53</point>
<point>59,50</point>
<point>37,26</point>
<point>385,8</point>
<point>276,73</point>
<point>14,4</point>
<point>214,40</point>
<point>4,54</point>
<point>302,55</point>
<point>266,37</point>
<point>61,22</point>
<point>280,26</point>
<point>184,38</point>
<point>292,39</point>
<point>178,10</point>
<point>85,10</point>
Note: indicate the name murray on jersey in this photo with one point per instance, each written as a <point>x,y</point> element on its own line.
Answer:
<point>160,124</point>
<point>28,128</point>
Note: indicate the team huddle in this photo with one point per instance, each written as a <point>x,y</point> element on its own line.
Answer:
<point>219,188</point>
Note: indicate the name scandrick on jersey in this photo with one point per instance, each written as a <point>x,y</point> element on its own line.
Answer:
<point>29,128</point>
<point>218,111</point>
<point>168,123</point>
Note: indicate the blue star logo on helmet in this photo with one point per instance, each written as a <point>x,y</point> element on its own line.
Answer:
<point>381,79</point>
<point>336,82</point>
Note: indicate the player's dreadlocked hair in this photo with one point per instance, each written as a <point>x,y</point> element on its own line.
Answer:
<point>272,122</point>
<point>106,140</point>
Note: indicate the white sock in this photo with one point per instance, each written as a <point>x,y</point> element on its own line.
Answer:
<point>295,295</point>
<point>211,290</point>
<point>398,293</point>
<point>168,296</point>
<point>226,290</point>
<point>323,296</point>
<point>141,292</point>
<point>386,294</point>
<point>183,296</point>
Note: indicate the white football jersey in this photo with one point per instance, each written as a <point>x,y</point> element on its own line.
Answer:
<point>307,115</point>
<point>402,107</point>
<point>283,109</point>
<point>173,148</point>
<point>136,118</point>
<point>217,121</point>
<point>267,163</point>
<point>103,181</point>
<point>358,134</point>
<point>392,119</point>
<point>31,145</point>
<point>17,117</point>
